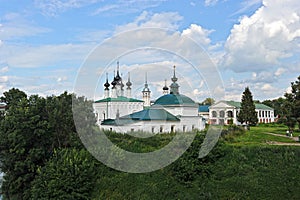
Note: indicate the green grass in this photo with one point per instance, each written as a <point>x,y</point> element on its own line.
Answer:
<point>257,135</point>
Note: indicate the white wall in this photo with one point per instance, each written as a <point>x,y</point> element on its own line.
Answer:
<point>110,109</point>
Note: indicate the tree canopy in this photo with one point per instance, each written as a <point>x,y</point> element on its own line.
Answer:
<point>247,112</point>
<point>292,105</point>
<point>31,130</point>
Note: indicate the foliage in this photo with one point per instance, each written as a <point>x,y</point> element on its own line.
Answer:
<point>208,101</point>
<point>292,105</point>
<point>228,172</point>
<point>69,174</point>
<point>277,105</point>
<point>247,112</point>
<point>31,129</point>
<point>13,97</point>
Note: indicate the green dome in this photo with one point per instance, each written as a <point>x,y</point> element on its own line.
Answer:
<point>172,99</point>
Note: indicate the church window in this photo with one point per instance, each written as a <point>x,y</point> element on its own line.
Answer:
<point>152,129</point>
<point>214,113</point>
<point>161,129</point>
<point>229,113</point>
<point>183,128</point>
<point>172,128</point>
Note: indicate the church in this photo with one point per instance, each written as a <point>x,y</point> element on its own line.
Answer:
<point>171,112</point>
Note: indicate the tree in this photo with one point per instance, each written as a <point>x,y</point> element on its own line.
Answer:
<point>247,112</point>
<point>293,102</point>
<point>208,101</point>
<point>30,131</point>
<point>13,97</point>
<point>69,174</point>
<point>277,104</point>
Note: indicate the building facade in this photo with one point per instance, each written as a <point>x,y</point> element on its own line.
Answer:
<point>226,112</point>
<point>169,113</point>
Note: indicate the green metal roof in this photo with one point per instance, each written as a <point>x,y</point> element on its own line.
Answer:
<point>257,105</point>
<point>172,99</point>
<point>118,99</point>
<point>262,106</point>
<point>150,114</point>
<point>234,103</point>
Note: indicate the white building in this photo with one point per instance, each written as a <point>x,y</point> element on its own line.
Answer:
<point>223,112</point>
<point>169,113</point>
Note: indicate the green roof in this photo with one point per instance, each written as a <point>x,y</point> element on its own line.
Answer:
<point>257,105</point>
<point>234,103</point>
<point>118,99</point>
<point>149,114</point>
<point>172,99</point>
<point>262,106</point>
<point>152,114</point>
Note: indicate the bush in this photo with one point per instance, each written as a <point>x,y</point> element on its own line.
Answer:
<point>70,174</point>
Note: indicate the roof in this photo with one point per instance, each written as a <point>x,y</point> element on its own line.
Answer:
<point>149,114</point>
<point>203,108</point>
<point>257,105</point>
<point>262,106</point>
<point>118,99</point>
<point>172,99</point>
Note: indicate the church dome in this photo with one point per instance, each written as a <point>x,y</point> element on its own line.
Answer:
<point>172,99</point>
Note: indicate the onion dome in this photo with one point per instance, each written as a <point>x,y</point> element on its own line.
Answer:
<point>165,87</point>
<point>128,84</point>
<point>118,77</point>
<point>106,84</point>
<point>114,82</point>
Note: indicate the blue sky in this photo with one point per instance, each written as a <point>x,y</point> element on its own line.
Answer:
<point>255,43</point>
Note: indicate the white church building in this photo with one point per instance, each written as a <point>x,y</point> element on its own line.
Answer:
<point>172,112</point>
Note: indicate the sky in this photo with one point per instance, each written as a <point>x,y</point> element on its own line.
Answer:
<point>50,46</point>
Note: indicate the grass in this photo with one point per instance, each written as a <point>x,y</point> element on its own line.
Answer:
<point>257,135</point>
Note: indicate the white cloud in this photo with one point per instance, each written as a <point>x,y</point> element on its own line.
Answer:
<point>165,20</point>
<point>61,79</point>
<point>33,57</point>
<point>126,6</point>
<point>4,69</point>
<point>199,34</point>
<point>280,71</point>
<point>246,5</point>
<point>210,2</point>
<point>260,41</point>
<point>54,7</point>
<point>15,26</point>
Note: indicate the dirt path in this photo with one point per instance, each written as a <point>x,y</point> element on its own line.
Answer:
<point>296,139</point>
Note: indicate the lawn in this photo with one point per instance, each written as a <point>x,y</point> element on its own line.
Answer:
<point>258,136</point>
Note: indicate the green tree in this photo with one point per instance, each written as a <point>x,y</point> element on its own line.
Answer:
<point>292,114</point>
<point>208,101</point>
<point>13,97</point>
<point>23,145</point>
<point>247,112</point>
<point>69,174</point>
<point>277,104</point>
<point>30,131</point>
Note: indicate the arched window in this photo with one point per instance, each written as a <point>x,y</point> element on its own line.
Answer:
<point>229,113</point>
<point>214,113</point>
<point>222,113</point>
